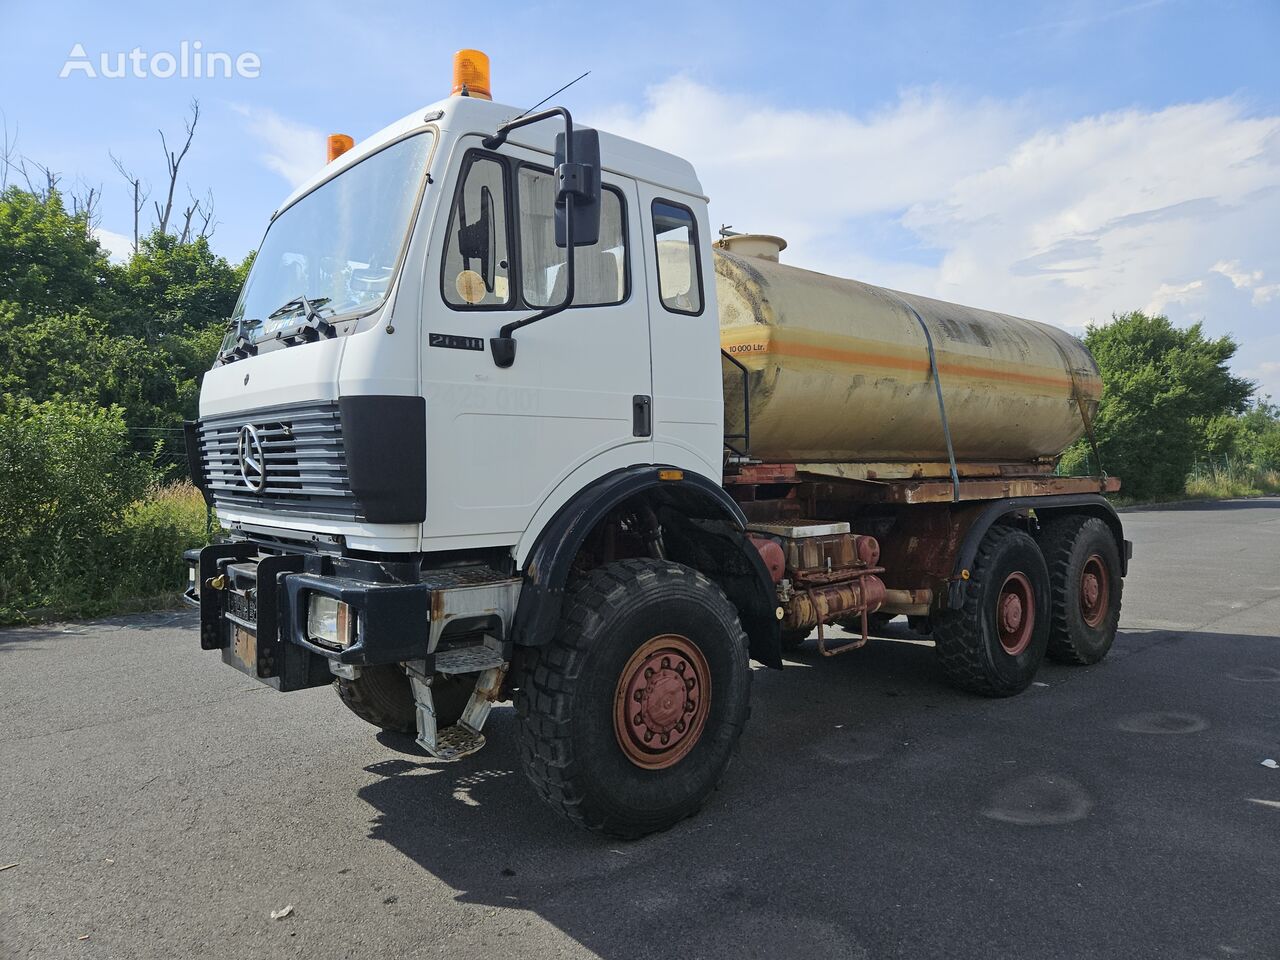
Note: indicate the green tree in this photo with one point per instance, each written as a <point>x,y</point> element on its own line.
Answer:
<point>169,288</point>
<point>1164,390</point>
<point>48,258</point>
<point>139,336</point>
<point>74,356</point>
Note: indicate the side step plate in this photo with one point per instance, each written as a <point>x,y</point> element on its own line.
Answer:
<point>454,743</point>
<point>474,659</point>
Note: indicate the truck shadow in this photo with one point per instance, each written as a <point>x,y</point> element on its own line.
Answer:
<point>478,825</point>
<point>856,786</point>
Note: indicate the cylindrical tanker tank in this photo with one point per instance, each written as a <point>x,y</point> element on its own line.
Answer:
<point>839,371</point>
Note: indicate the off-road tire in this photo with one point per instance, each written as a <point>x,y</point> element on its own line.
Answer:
<point>382,695</point>
<point>968,641</point>
<point>568,692</point>
<point>1068,544</point>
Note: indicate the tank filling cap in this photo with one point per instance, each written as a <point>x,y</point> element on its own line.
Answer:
<point>762,245</point>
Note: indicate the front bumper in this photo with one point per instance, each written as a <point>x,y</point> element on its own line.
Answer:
<point>253,608</point>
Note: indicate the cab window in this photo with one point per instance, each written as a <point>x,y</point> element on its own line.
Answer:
<point>679,271</point>
<point>599,271</point>
<point>477,263</point>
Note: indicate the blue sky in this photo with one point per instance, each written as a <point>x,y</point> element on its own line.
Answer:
<point>1060,161</point>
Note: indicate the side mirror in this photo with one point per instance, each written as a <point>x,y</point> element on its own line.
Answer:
<point>577,209</point>
<point>578,177</point>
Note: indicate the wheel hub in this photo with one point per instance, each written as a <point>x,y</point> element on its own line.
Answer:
<point>661,702</point>
<point>1094,591</point>
<point>1015,613</point>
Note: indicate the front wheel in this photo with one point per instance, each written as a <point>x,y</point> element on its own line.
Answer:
<point>995,642</point>
<point>382,695</point>
<point>628,717</point>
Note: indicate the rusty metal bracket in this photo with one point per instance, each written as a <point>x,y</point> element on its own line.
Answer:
<point>844,647</point>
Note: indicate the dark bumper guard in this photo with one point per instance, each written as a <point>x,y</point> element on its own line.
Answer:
<point>392,619</point>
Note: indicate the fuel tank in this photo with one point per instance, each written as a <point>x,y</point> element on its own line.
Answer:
<point>839,371</point>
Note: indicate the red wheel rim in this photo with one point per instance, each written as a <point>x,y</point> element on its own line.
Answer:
<point>661,703</point>
<point>1095,591</point>
<point>1015,613</point>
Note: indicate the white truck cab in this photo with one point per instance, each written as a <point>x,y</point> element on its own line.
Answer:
<point>378,242</point>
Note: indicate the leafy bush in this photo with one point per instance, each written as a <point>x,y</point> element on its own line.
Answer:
<point>81,531</point>
<point>66,480</point>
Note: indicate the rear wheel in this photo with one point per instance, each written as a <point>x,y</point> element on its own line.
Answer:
<point>628,717</point>
<point>995,642</point>
<point>1085,581</point>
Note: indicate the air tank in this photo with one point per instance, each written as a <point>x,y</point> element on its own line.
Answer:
<point>839,371</point>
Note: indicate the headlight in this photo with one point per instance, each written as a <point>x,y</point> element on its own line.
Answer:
<point>329,621</point>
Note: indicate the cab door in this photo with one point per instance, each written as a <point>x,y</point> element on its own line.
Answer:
<point>688,399</point>
<point>575,403</point>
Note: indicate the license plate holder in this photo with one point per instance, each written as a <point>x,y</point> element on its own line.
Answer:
<point>242,651</point>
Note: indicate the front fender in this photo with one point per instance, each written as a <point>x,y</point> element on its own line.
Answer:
<point>703,528</point>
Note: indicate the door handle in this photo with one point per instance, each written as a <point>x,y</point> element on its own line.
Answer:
<point>641,415</point>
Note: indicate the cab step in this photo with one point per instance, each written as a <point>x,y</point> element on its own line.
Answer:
<point>454,743</point>
<point>464,737</point>
<point>472,659</point>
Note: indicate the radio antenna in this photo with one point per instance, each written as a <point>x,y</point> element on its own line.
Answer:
<point>548,97</point>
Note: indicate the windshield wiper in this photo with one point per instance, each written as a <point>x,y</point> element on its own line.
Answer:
<point>313,325</point>
<point>243,345</point>
<point>300,302</point>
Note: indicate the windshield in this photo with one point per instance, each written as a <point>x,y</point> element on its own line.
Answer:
<point>337,247</point>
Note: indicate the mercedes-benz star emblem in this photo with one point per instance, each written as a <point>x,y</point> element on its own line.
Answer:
<point>253,465</point>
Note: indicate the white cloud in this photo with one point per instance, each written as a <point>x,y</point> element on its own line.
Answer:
<point>801,172</point>
<point>984,203</point>
<point>119,247</point>
<point>1247,280</point>
<point>293,150</point>
<point>1172,293</point>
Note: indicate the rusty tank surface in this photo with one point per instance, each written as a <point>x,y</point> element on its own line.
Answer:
<point>839,371</point>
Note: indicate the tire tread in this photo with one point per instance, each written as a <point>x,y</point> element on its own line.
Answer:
<point>1057,541</point>
<point>550,673</point>
<point>959,652</point>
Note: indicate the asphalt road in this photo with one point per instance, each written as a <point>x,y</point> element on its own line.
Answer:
<point>161,805</point>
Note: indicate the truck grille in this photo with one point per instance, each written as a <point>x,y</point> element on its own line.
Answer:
<point>304,467</point>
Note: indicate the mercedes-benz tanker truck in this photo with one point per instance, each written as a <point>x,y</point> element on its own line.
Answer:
<point>498,416</point>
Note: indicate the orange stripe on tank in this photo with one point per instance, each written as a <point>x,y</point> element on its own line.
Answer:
<point>861,358</point>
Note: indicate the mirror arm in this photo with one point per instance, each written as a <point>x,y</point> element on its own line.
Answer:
<point>503,346</point>
<point>500,137</point>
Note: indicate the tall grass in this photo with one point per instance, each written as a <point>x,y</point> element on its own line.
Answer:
<point>169,519</point>
<point>1232,478</point>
